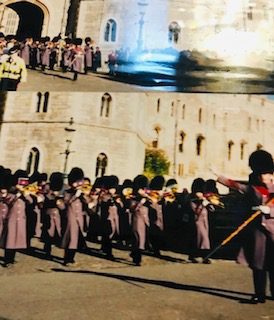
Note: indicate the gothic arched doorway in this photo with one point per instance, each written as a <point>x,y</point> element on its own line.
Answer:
<point>31,16</point>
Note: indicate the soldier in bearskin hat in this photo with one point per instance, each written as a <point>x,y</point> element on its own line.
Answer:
<point>73,238</point>
<point>139,208</point>
<point>52,213</point>
<point>156,214</point>
<point>5,184</point>
<point>258,243</point>
<point>14,235</point>
<point>77,58</point>
<point>110,206</point>
<point>88,50</point>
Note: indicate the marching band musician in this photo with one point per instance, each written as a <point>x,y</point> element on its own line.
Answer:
<point>110,206</point>
<point>73,238</point>
<point>5,180</point>
<point>140,219</point>
<point>156,214</point>
<point>52,213</point>
<point>200,207</point>
<point>14,235</point>
<point>258,243</point>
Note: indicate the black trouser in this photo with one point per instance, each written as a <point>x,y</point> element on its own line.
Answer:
<point>9,256</point>
<point>9,84</point>
<point>107,245</point>
<point>259,280</point>
<point>136,256</point>
<point>69,255</point>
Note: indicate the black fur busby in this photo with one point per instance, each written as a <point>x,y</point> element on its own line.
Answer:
<point>140,182</point>
<point>157,183</point>
<point>76,174</point>
<point>87,40</point>
<point>111,182</point>
<point>98,183</point>
<point>56,181</point>
<point>43,177</point>
<point>68,40</point>
<point>14,49</point>
<point>34,177</point>
<point>171,183</point>
<point>5,179</point>
<point>2,35</point>
<point>127,184</point>
<point>210,186</point>
<point>261,161</point>
<point>77,41</point>
<point>198,185</point>
<point>47,39</point>
<point>17,175</point>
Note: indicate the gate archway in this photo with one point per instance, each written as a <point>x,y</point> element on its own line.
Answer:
<point>33,18</point>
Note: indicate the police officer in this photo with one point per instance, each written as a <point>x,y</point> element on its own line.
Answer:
<point>12,70</point>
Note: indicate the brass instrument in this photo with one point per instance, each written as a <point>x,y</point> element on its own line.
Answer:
<point>32,189</point>
<point>127,193</point>
<point>214,199</point>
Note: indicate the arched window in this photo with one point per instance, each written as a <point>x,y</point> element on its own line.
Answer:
<point>172,109</point>
<point>42,100</point>
<point>214,120</point>
<point>199,143</point>
<point>182,140</point>
<point>242,149</point>
<point>158,105</point>
<point>183,111</point>
<point>105,105</point>
<point>39,98</point>
<point>200,115</point>
<point>173,32</point>
<point>33,161</point>
<point>101,165</point>
<point>155,141</point>
<point>229,149</point>
<point>46,102</point>
<point>110,31</point>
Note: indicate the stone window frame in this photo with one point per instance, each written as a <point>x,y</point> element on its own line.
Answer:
<point>110,33</point>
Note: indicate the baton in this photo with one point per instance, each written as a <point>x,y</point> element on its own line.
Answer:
<point>237,231</point>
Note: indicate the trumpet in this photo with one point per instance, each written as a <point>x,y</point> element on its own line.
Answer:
<point>32,189</point>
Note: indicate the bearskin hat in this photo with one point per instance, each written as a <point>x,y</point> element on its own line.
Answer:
<point>210,186</point>
<point>157,183</point>
<point>98,183</point>
<point>34,177</point>
<point>140,182</point>
<point>56,181</point>
<point>18,174</point>
<point>87,39</point>
<point>261,161</point>
<point>127,184</point>
<point>198,185</point>
<point>77,41</point>
<point>111,182</point>
<point>42,177</point>
<point>75,174</point>
<point>68,40</point>
<point>171,183</point>
<point>5,179</point>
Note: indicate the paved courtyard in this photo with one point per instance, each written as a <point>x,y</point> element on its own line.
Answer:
<point>162,288</point>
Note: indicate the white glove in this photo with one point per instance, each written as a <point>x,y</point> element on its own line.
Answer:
<point>78,193</point>
<point>40,199</point>
<point>265,209</point>
<point>205,203</point>
<point>91,205</point>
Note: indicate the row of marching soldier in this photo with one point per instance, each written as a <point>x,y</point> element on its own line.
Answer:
<point>135,213</point>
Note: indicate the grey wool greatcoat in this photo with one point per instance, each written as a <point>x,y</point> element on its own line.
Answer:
<point>74,221</point>
<point>51,216</point>
<point>14,235</point>
<point>257,250</point>
<point>88,56</point>
<point>3,214</point>
<point>201,223</point>
<point>140,222</point>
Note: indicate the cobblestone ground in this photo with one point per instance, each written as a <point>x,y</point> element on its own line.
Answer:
<point>162,288</point>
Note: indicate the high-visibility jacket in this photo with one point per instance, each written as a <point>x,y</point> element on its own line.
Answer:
<point>13,67</point>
